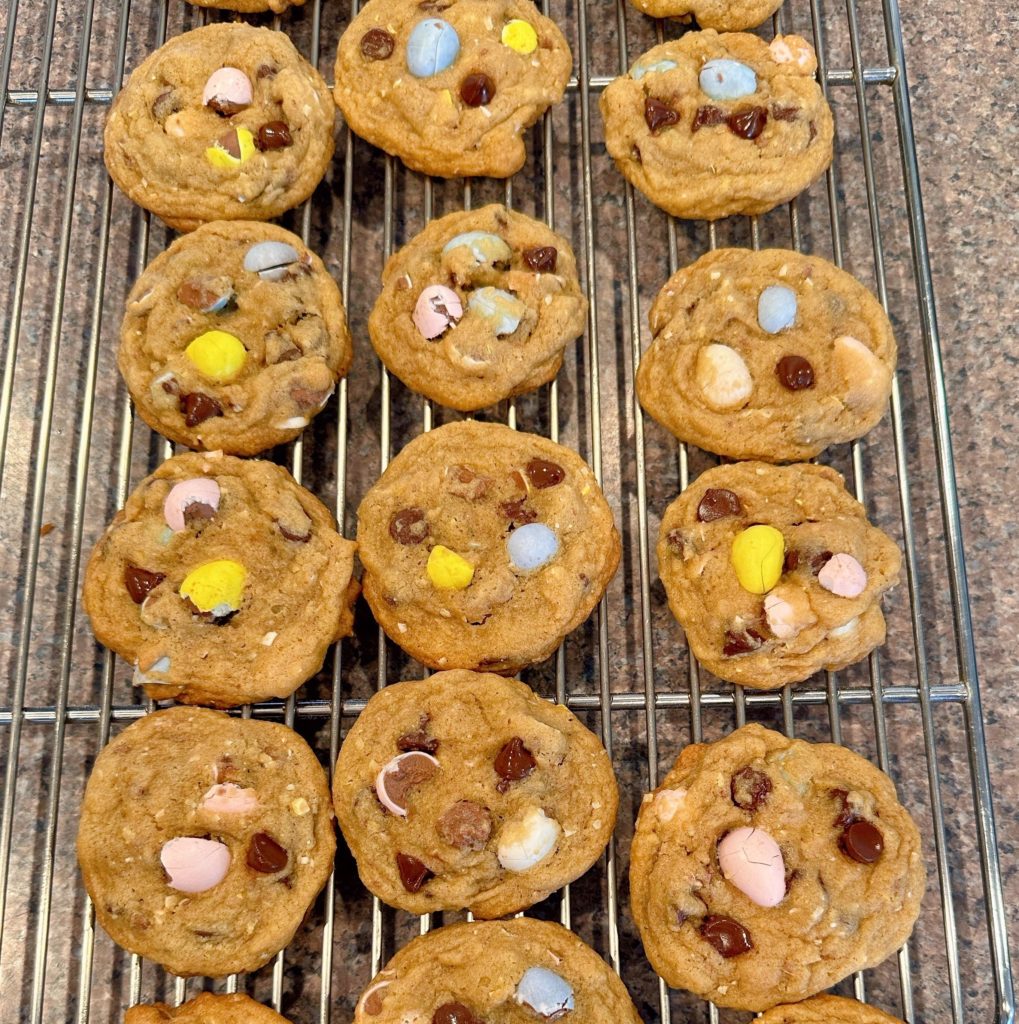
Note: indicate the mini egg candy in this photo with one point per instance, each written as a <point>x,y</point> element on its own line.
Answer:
<point>206,294</point>
<point>501,309</point>
<point>216,587</point>
<point>231,149</point>
<point>776,308</point>
<point>545,992</point>
<point>270,260</point>
<point>758,553</point>
<point>201,490</point>
<point>227,91</point>
<point>723,377</point>
<point>519,35</point>
<point>218,355</point>
<point>727,79</point>
<point>436,309</point>
<point>752,861</point>
<point>193,864</point>
<point>432,47</point>
<point>843,576</point>
<point>447,570</point>
<point>532,545</point>
<point>527,840</point>
<point>485,247</point>
<point>657,67</point>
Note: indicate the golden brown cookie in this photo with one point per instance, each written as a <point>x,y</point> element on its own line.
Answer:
<point>827,1010</point>
<point>484,546</point>
<point>769,355</point>
<point>765,869</point>
<point>710,125</point>
<point>204,839</point>
<point>449,87</point>
<point>774,572</point>
<point>498,972</point>
<point>478,307</point>
<point>467,790</point>
<point>222,580</point>
<point>723,15</point>
<point>233,338</point>
<point>226,122</point>
<point>205,1008</point>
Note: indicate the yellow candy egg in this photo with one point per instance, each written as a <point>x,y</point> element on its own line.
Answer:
<point>758,554</point>
<point>447,570</point>
<point>519,35</point>
<point>217,355</point>
<point>231,149</point>
<point>216,587</point>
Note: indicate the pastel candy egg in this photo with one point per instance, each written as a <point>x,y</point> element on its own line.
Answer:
<point>727,79</point>
<point>433,45</point>
<point>723,377</point>
<point>399,775</point>
<point>229,798</point>
<point>447,570</point>
<point>519,35</point>
<point>757,556</point>
<point>217,355</point>
<point>638,71</point>
<point>751,860</point>
<point>231,149</point>
<point>198,491</point>
<point>866,379</point>
<point>216,587</point>
<point>527,839</point>
<point>776,308</point>
<point>193,864</point>
<point>843,576</point>
<point>436,309</point>
<point>545,992</point>
<point>484,246</point>
<point>270,260</point>
<point>532,545</point>
<point>501,309</point>
<point>227,91</point>
<point>787,609</point>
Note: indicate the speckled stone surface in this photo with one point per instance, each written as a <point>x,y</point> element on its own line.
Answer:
<point>71,435</point>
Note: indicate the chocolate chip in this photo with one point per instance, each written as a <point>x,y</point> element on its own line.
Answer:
<point>454,1013</point>
<point>791,561</point>
<point>465,483</point>
<point>819,561</point>
<point>785,113</point>
<point>408,526</point>
<point>518,512</point>
<point>543,473</point>
<point>165,104</point>
<point>862,842</point>
<point>274,135</point>
<point>196,513</point>
<point>266,71</point>
<point>677,545</point>
<point>225,108</point>
<point>140,582</point>
<point>718,503</point>
<point>542,258</point>
<point>513,763</point>
<point>419,739</point>
<point>741,641</point>
<point>477,89</point>
<point>265,855</point>
<point>795,373</point>
<point>310,398</point>
<point>377,44</point>
<point>198,408</point>
<point>298,538</point>
<point>413,873</point>
<point>749,788</point>
<point>846,815</point>
<point>748,123</point>
<point>659,115</point>
<point>728,937</point>
<point>708,117</point>
<point>813,133</point>
<point>466,825</point>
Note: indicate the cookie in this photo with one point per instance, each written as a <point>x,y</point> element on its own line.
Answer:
<point>723,15</point>
<point>774,572</point>
<point>449,86</point>
<point>765,869</point>
<point>827,1010</point>
<point>467,790</point>
<point>769,355</point>
<point>483,547</point>
<point>204,839</point>
<point>234,338</point>
<point>478,307</point>
<point>710,125</point>
<point>205,1008</point>
<point>222,580</point>
<point>226,122</point>
<point>496,972</point>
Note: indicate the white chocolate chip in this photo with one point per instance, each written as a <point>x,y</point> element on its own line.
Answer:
<point>527,840</point>
<point>723,377</point>
<point>269,639</point>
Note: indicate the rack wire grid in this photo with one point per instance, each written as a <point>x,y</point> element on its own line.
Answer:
<point>71,449</point>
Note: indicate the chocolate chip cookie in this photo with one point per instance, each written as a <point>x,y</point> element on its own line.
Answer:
<point>478,307</point>
<point>774,572</point>
<point>496,971</point>
<point>449,86</point>
<point>769,355</point>
<point>827,1010</point>
<point>710,125</point>
<point>723,15</point>
<point>225,122</point>
<point>206,1008</point>
<point>484,546</point>
<point>222,580</point>
<point>765,869</point>
<point>466,790</point>
<point>204,839</point>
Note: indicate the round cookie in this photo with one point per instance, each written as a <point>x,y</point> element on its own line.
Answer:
<point>499,972</point>
<point>483,547</point>
<point>769,355</point>
<point>204,839</point>
<point>774,572</point>
<point>759,135</point>
<point>509,303</point>
<point>827,1010</point>
<point>205,1008</point>
<point>723,15</point>
<point>449,87</point>
<point>765,869</point>
<point>225,122</point>
<point>286,340</point>
<point>222,580</point>
<point>467,790</point>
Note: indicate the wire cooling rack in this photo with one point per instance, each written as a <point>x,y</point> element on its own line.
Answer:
<point>70,450</point>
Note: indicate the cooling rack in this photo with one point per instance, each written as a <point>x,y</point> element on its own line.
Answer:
<point>70,450</point>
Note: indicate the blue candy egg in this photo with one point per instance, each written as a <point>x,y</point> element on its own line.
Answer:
<point>270,260</point>
<point>638,71</point>
<point>531,546</point>
<point>727,79</point>
<point>545,992</point>
<point>776,308</point>
<point>484,246</point>
<point>432,47</point>
<point>501,309</point>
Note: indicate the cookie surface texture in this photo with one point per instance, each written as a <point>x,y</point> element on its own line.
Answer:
<point>723,15</point>
<point>224,122</point>
<point>500,795</point>
<point>827,828</point>
<point>450,86</point>
<point>204,839</point>
<point>483,547</point>
<point>287,341</point>
<point>827,1010</point>
<point>519,299</point>
<point>205,1008</point>
<point>759,137</point>
<point>222,580</point>
<point>767,355</point>
<point>249,6</point>
<point>500,972</point>
<point>809,599</point>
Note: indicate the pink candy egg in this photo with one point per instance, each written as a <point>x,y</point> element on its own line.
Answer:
<point>227,91</point>
<point>843,576</point>
<point>194,865</point>
<point>229,798</point>
<point>751,860</point>
<point>199,490</point>
<point>437,308</point>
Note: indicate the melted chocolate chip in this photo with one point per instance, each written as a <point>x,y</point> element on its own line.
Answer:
<point>225,108</point>
<point>518,512</point>
<point>791,561</point>
<point>454,1013</point>
<point>377,44</point>
<point>477,89</point>
<point>674,538</point>
<point>846,816</point>
<point>748,123</point>
<point>265,855</point>
<point>718,503</point>
<point>418,739</point>
<point>513,763</point>
<point>659,115</point>
<point>413,873</point>
<point>749,788</point>
<point>728,937</point>
<point>708,117</point>
<point>542,258</point>
<point>543,473</point>
<point>785,113</point>
<point>274,135</point>
<point>408,526</point>
<point>795,373</point>
<point>819,561</point>
<point>298,538</point>
<point>198,408</point>
<point>265,71</point>
<point>197,513</point>
<point>741,641</point>
<point>466,825</point>
<point>140,582</point>
<point>861,841</point>
<point>165,104</point>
